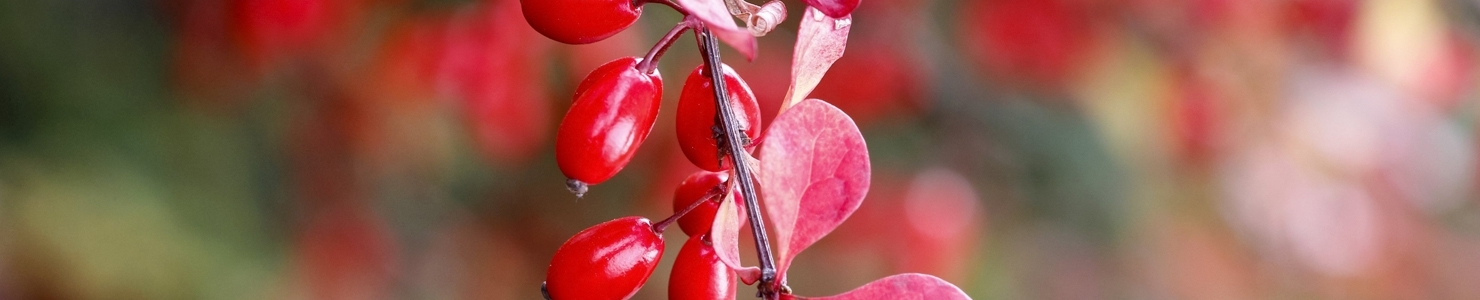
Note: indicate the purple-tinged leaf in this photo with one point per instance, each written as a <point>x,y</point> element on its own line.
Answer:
<point>717,16</point>
<point>820,42</point>
<point>834,8</point>
<point>815,170</point>
<point>909,286</point>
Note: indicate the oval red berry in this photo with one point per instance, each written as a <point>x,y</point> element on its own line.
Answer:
<point>614,110</point>
<point>702,185</point>
<point>580,21</point>
<point>696,116</point>
<point>608,261</point>
<point>699,275</point>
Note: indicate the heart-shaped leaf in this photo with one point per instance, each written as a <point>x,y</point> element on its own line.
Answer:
<point>717,16</point>
<point>834,8</point>
<point>820,42</point>
<point>815,170</point>
<point>910,286</point>
<point>724,234</point>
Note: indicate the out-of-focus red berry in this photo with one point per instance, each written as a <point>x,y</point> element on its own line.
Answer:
<point>1037,43</point>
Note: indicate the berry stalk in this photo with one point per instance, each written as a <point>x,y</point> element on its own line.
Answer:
<point>650,61</point>
<point>661,225</point>
<point>709,45</point>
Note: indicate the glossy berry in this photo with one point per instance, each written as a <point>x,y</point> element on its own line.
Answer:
<point>608,261</point>
<point>696,116</point>
<point>614,110</point>
<point>580,21</point>
<point>699,275</point>
<point>702,185</point>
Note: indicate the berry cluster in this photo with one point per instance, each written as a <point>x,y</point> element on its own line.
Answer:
<point>615,108</point>
<point>613,259</point>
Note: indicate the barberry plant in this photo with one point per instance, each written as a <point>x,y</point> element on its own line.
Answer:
<point>811,159</point>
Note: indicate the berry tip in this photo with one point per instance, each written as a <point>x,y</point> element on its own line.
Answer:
<point>544,291</point>
<point>577,187</point>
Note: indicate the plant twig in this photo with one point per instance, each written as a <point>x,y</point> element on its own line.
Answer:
<point>709,45</point>
<point>650,61</point>
<point>661,225</point>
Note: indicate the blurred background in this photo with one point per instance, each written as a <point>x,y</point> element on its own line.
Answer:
<point>1021,149</point>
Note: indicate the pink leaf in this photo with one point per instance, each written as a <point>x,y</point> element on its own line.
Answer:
<point>910,286</point>
<point>725,235</point>
<point>716,15</point>
<point>815,171</point>
<point>820,42</point>
<point>834,8</point>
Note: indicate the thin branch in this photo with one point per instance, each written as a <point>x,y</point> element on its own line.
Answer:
<point>661,225</point>
<point>650,61</point>
<point>670,4</point>
<point>710,46</point>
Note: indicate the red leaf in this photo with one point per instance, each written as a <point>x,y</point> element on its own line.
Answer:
<point>815,172</point>
<point>715,14</point>
<point>834,8</point>
<point>909,286</point>
<point>820,42</point>
<point>725,235</point>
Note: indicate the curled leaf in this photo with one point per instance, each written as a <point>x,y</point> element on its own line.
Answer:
<point>759,19</point>
<point>763,19</point>
<point>820,42</point>
<point>815,168</point>
<point>909,286</point>
<point>724,234</point>
<point>739,7</point>
<point>717,17</point>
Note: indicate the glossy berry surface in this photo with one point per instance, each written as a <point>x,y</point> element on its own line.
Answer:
<point>702,185</point>
<point>614,110</point>
<point>696,116</point>
<point>699,275</point>
<point>608,261</point>
<point>580,21</point>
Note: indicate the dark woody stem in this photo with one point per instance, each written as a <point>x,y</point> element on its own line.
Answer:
<point>709,45</point>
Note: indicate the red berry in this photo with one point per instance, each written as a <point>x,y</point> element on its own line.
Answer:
<point>608,261</point>
<point>614,110</point>
<point>695,188</point>
<point>580,21</point>
<point>698,273</point>
<point>696,116</point>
